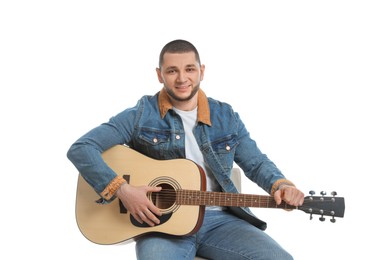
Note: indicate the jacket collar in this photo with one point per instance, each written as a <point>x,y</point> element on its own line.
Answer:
<point>165,104</point>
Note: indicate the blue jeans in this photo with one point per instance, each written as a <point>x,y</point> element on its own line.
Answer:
<point>222,236</point>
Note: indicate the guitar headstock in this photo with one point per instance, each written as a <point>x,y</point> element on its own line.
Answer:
<point>324,206</point>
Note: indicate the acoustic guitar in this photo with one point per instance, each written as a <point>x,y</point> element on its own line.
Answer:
<point>182,199</point>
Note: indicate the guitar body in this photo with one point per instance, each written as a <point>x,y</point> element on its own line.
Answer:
<point>111,223</point>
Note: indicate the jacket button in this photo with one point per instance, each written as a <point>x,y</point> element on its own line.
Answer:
<point>155,140</point>
<point>177,137</point>
<point>227,148</point>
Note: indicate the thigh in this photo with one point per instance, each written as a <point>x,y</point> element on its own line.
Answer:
<point>225,236</point>
<point>161,246</point>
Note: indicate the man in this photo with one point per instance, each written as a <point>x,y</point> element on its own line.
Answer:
<point>181,122</point>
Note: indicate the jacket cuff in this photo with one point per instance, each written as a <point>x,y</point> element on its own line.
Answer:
<point>112,187</point>
<point>279,183</point>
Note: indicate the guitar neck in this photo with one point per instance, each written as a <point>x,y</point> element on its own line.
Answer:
<point>208,198</point>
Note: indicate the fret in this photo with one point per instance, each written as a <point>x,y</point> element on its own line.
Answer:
<point>240,202</point>
<point>210,198</point>
<point>186,200</point>
<point>189,196</point>
<point>228,199</point>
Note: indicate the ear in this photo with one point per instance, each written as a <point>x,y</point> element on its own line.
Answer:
<point>159,75</point>
<point>202,68</point>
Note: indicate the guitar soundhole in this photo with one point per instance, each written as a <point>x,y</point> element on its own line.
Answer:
<point>166,198</point>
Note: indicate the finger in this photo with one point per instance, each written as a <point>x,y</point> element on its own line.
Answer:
<point>300,197</point>
<point>154,189</point>
<point>289,197</point>
<point>277,197</point>
<point>152,217</point>
<point>153,208</point>
<point>302,200</point>
<point>136,217</point>
<point>294,197</point>
<point>145,219</point>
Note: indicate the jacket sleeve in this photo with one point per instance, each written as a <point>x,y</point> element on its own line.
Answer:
<point>255,164</point>
<point>86,153</point>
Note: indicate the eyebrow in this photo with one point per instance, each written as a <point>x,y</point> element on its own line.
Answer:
<point>170,67</point>
<point>175,67</point>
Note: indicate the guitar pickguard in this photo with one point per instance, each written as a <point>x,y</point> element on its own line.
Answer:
<point>163,218</point>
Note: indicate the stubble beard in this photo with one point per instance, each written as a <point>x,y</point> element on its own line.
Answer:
<point>176,98</point>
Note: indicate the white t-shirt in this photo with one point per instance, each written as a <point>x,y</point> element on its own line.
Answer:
<point>192,150</point>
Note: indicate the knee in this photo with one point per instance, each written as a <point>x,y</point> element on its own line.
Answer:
<point>279,254</point>
<point>284,256</point>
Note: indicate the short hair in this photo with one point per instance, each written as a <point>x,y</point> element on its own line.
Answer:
<point>178,46</point>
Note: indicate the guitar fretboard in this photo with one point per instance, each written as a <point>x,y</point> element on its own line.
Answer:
<point>208,198</point>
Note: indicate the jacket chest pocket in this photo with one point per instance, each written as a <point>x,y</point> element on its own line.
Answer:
<point>157,144</point>
<point>224,148</point>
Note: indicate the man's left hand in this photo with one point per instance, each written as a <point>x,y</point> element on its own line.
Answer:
<point>290,194</point>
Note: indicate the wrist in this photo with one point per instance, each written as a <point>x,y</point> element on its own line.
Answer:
<point>279,184</point>
<point>120,190</point>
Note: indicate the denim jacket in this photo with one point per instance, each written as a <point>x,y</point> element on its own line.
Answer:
<point>153,128</point>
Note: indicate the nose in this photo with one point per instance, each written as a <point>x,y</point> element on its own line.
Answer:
<point>181,77</point>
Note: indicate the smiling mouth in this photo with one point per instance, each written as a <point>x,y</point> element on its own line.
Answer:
<point>183,87</point>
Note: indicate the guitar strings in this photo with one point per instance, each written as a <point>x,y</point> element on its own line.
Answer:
<point>191,194</point>
<point>183,196</point>
<point>169,193</point>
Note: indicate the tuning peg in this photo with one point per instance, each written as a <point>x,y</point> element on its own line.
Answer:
<point>334,193</point>
<point>322,218</point>
<point>312,192</point>
<point>323,193</point>
<point>333,220</point>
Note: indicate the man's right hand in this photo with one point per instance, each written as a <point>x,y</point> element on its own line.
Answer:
<point>135,200</point>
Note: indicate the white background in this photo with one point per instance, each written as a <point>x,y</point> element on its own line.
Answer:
<point>309,78</point>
